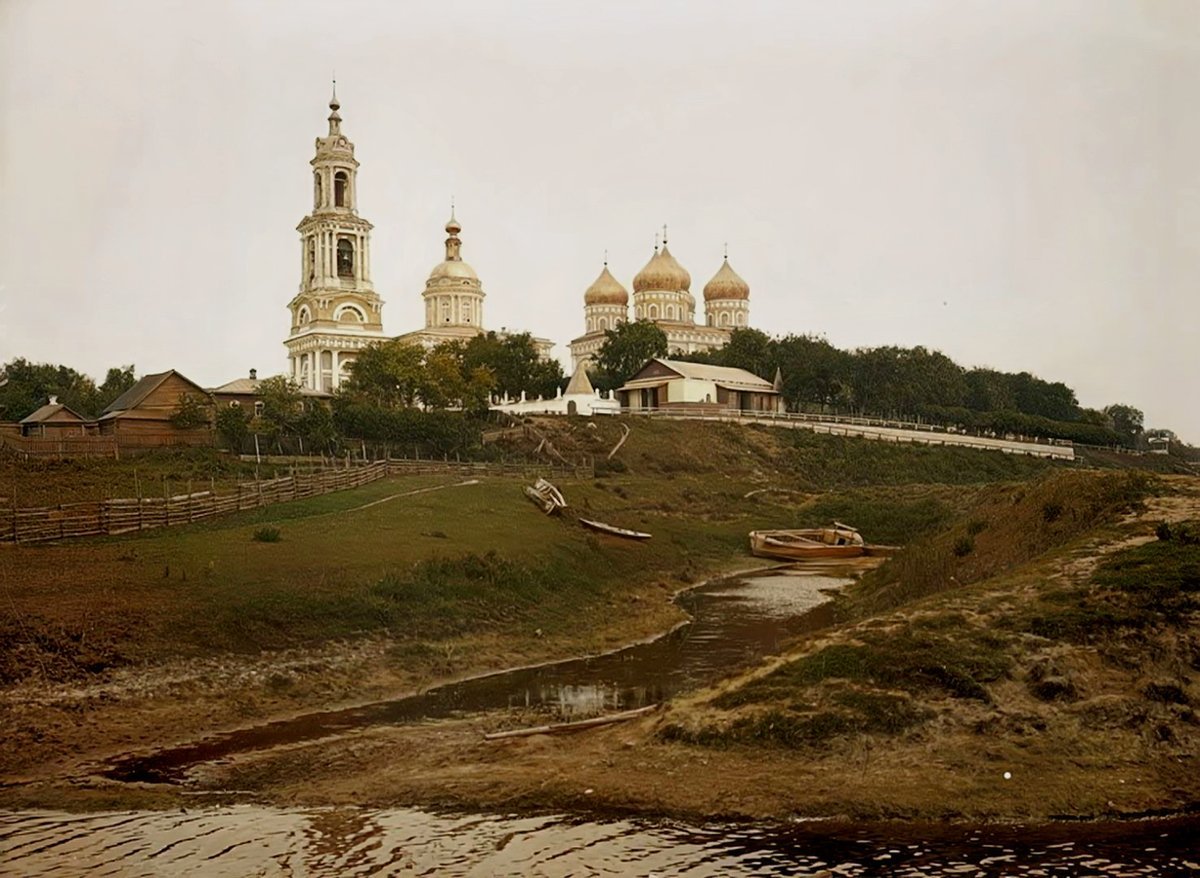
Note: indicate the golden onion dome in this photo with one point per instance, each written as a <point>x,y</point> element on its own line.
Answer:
<point>453,269</point>
<point>662,272</point>
<point>726,284</point>
<point>606,290</point>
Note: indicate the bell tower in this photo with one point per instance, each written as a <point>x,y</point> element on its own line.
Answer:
<point>336,312</point>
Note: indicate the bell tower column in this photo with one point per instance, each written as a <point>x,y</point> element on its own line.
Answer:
<point>336,308</point>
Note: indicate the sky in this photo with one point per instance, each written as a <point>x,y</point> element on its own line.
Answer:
<point>1014,183</point>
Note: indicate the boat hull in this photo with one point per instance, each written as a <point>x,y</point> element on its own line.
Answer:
<point>800,545</point>
<point>613,530</point>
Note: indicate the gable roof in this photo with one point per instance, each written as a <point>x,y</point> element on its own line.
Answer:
<point>725,376</point>
<point>250,387</point>
<point>49,410</point>
<point>146,385</point>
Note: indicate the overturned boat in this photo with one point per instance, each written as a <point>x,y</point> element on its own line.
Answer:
<point>836,541</point>
<point>546,496</point>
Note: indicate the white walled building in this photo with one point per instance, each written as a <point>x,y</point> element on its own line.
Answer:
<point>336,313</point>
<point>453,299</point>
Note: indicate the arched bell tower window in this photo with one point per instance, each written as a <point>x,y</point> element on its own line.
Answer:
<point>339,189</point>
<point>316,189</point>
<point>345,258</point>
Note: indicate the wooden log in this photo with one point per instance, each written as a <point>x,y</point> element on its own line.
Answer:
<point>577,726</point>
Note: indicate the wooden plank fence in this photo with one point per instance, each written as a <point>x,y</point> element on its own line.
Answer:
<point>130,515</point>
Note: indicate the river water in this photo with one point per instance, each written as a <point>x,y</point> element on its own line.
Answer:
<point>735,624</point>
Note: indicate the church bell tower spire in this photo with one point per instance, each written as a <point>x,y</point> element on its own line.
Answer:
<point>336,311</point>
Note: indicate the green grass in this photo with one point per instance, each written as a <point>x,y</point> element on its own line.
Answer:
<point>853,712</point>
<point>1007,525</point>
<point>841,462</point>
<point>916,661</point>
<point>430,566</point>
<point>1132,592</point>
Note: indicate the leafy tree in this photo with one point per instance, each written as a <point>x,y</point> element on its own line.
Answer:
<point>387,374</point>
<point>752,350</point>
<point>625,350</point>
<point>315,424</point>
<point>1127,422</point>
<point>117,380</point>
<point>989,391</point>
<point>814,372</point>
<point>233,426</point>
<point>190,412</point>
<point>514,363</point>
<point>442,384</point>
<point>281,407</point>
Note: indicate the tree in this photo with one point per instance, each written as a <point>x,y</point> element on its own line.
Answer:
<point>281,406</point>
<point>625,350</point>
<point>514,363</point>
<point>117,380</point>
<point>190,412</point>
<point>387,374</point>
<point>814,372</point>
<point>1126,421</point>
<point>28,386</point>
<point>752,350</point>
<point>233,427</point>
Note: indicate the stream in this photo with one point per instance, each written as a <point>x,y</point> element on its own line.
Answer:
<point>735,624</point>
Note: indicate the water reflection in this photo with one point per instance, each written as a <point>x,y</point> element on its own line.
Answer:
<point>245,841</point>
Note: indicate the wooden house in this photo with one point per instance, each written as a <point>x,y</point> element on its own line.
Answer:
<point>144,414</point>
<point>246,394</point>
<point>674,384</point>
<point>54,421</point>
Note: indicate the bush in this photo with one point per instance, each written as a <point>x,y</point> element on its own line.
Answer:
<point>267,535</point>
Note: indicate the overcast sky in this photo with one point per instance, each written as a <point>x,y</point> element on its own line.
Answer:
<point>1014,182</point>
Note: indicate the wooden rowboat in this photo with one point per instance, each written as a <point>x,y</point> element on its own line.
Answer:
<point>837,541</point>
<point>613,530</point>
<point>546,496</point>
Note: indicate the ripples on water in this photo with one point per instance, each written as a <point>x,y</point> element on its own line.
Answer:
<point>245,841</point>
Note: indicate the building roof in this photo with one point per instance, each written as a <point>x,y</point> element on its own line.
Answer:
<point>725,376</point>
<point>49,410</point>
<point>606,290</point>
<point>662,272</point>
<point>147,384</point>
<point>580,384</point>
<point>726,284</point>
<point>250,387</point>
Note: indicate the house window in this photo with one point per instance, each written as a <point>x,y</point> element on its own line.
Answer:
<point>258,408</point>
<point>234,404</point>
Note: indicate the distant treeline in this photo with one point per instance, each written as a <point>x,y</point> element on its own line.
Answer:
<point>919,384</point>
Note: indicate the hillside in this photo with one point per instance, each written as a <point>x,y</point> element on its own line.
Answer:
<point>413,580</point>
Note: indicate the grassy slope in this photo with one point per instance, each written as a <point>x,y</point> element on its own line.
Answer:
<point>462,579</point>
<point>78,608</point>
<point>1016,650</point>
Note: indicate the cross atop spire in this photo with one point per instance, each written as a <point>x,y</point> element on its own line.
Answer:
<point>656,242</point>
<point>726,251</point>
<point>335,120</point>
<point>664,236</point>
<point>606,258</point>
